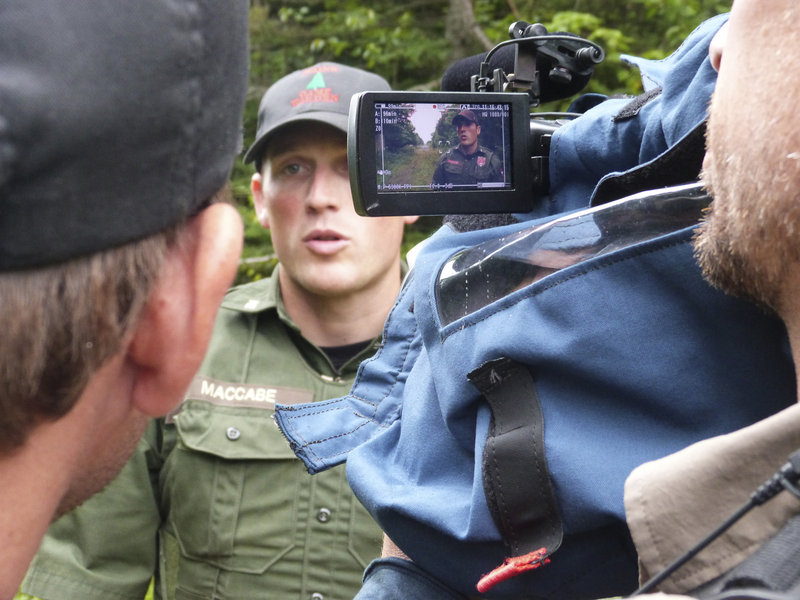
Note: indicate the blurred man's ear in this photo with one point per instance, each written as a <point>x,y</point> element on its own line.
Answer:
<point>171,337</point>
<point>258,200</point>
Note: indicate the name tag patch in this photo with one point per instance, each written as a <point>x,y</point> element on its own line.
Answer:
<point>226,393</point>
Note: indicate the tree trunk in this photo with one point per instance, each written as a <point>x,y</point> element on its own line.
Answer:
<point>466,37</point>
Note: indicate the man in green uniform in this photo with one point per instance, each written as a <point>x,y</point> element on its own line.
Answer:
<point>214,504</point>
<point>469,163</point>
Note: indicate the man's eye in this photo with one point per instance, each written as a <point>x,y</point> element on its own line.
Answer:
<point>292,169</point>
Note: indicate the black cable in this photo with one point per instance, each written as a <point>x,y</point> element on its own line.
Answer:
<point>785,478</point>
<point>669,570</point>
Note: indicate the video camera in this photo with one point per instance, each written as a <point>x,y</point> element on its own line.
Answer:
<point>407,156</point>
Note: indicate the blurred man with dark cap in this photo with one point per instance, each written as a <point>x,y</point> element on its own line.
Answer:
<point>469,163</point>
<point>214,503</point>
<point>118,130</point>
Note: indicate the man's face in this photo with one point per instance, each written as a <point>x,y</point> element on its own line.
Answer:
<point>303,197</point>
<point>750,243</point>
<point>468,133</point>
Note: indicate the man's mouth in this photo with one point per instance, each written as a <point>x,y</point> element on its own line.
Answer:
<point>325,242</point>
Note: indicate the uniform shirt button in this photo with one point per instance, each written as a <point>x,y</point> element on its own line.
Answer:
<point>317,596</point>
<point>233,434</point>
<point>323,516</point>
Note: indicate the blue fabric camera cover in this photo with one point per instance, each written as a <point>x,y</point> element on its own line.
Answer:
<point>634,356</point>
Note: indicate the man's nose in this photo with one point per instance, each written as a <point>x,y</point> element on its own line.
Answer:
<point>717,46</point>
<point>327,191</point>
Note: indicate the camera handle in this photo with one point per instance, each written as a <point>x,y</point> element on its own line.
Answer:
<point>563,56</point>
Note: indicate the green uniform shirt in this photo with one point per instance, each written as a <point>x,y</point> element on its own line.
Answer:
<point>457,168</point>
<point>214,502</point>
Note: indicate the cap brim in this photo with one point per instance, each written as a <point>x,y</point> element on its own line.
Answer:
<point>337,120</point>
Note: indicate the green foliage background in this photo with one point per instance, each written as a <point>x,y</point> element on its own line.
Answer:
<point>412,43</point>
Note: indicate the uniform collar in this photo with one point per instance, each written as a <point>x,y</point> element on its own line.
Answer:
<point>264,295</point>
<point>479,150</point>
<point>255,297</point>
<point>259,297</point>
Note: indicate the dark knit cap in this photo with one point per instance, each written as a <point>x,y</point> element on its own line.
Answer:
<point>117,120</point>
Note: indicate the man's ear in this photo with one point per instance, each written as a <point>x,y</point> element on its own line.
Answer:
<point>259,201</point>
<point>172,335</point>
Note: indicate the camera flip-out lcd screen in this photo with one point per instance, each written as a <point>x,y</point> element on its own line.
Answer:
<point>439,153</point>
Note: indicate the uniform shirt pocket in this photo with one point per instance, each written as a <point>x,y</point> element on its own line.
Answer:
<point>229,510</point>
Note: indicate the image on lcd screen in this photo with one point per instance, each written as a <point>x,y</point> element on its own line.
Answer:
<point>429,146</point>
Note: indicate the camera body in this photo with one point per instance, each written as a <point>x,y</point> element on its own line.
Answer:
<point>459,152</point>
<point>395,145</point>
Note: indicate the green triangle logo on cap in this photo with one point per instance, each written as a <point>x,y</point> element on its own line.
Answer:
<point>316,82</point>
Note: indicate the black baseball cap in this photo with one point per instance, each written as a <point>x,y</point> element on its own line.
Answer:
<point>318,93</point>
<point>465,115</point>
<point>117,120</point>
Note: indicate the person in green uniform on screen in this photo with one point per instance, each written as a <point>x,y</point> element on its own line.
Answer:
<point>214,503</point>
<point>469,163</point>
